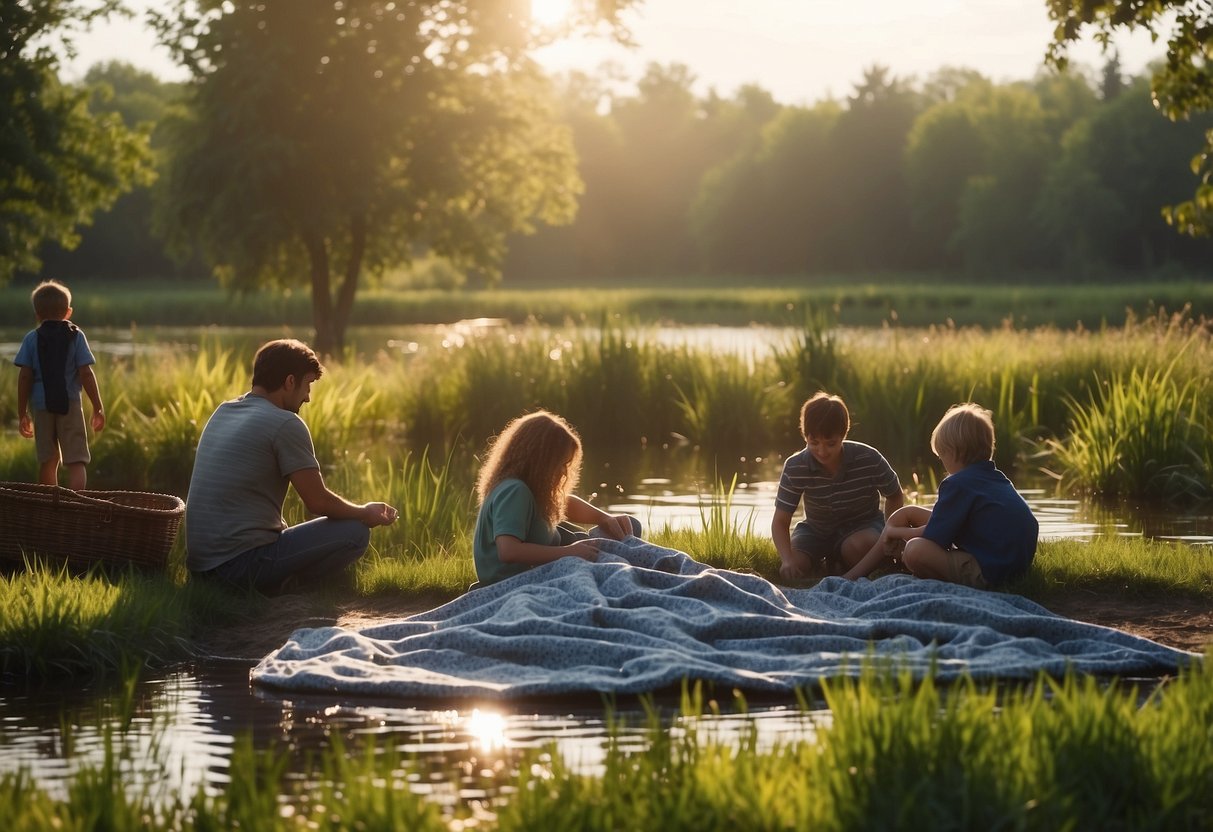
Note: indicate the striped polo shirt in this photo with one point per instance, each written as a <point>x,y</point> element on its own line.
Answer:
<point>852,496</point>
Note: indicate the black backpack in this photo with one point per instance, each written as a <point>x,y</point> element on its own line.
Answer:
<point>54,339</point>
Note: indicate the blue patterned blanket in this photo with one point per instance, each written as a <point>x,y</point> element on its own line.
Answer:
<point>643,618</point>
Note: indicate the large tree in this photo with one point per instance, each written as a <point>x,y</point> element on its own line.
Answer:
<point>118,243</point>
<point>1181,87</point>
<point>59,163</point>
<point>332,138</point>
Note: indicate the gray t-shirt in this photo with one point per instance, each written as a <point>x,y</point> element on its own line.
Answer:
<point>246,453</point>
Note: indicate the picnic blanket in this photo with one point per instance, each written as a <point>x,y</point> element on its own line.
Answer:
<point>644,618</point>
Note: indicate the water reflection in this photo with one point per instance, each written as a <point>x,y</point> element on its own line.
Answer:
<point>409,340</point>
<point>661,502</point>
<point>177,734</point>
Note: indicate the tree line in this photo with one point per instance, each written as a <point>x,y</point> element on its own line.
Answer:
<point>321,144</point>
<point>956,174</point>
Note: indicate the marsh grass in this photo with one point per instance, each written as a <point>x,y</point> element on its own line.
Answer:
<point>1125,565</point>
<point>371,420</point>
<point>1142,433</point>
<point>57,624</point>
<point>899,754</point>
<point>722,540</point>
<point>1121,409</point>
<point>894,753</point>
<point>912,299</point>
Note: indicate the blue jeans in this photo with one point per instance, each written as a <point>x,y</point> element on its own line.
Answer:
<point>306,552</point>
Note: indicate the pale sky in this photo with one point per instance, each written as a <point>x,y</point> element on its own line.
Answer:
<point>800,50</point>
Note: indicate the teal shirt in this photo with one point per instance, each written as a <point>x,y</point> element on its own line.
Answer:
<point>509,509</point>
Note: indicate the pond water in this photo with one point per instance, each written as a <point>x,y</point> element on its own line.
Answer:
<point>178,733</point>
<point>180,726</point>
<point>660,502</point>
<point>416,339</point>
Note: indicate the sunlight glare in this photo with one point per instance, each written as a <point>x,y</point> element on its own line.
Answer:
<point>550,13</point>
<point>487,730</point>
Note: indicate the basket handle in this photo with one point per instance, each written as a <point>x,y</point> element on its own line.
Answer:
<point>77,497</point>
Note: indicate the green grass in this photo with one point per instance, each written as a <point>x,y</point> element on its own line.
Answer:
<point>1140,434</point>
<point>407,432</point>
<point>58,624</point>
<point>903,755</point>
<point>894,754</point>
<point>1125,566</point>
<point>910,299</point>
<point>1121,409</point>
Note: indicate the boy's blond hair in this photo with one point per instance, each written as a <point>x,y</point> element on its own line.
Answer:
<point>967,432</point>
<point>542,450</point>
<point>51,300</point>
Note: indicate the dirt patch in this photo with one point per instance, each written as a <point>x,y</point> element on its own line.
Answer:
<point>1186,624</point>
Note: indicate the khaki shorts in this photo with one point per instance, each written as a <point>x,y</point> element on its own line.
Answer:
<point>61,436</point>
<point>964,569</point>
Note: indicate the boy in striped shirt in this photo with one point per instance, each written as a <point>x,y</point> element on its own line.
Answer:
<point>840,483</point>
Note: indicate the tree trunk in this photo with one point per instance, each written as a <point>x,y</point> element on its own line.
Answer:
<point>327,337</point>
<point>349,282</point>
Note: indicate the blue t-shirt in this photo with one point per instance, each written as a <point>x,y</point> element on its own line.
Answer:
<point>845,500</point>
<point>979,510</point>
<point>78,355</point>
<point>509,509</point>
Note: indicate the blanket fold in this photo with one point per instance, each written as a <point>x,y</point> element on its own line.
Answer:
<point>644,618</point>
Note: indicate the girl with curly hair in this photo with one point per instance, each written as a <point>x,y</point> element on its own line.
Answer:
<point>526,497</point>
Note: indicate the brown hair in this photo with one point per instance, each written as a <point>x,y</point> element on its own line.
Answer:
<point>51,300</point>
<point>824,415</point>
<point>967,432</point>
<point>542,450</point>
<point>285,357</point>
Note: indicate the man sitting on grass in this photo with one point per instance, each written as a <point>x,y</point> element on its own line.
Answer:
<point>250,449</point>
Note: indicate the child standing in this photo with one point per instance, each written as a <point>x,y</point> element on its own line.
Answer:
<point>841,483</point>
<point>526,489</point>
<point>56,365</point>
<point>980,533</point>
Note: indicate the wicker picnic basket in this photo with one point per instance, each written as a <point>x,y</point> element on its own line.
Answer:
<point>83,528</point>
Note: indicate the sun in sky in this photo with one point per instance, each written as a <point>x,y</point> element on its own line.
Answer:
<point>549,13</point>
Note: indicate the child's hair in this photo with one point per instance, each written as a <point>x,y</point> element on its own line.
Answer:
<point>967,432</point>
<point>51,300</point>
<point>542,450</point>
<point>285,357</point>
<point>824,415</point>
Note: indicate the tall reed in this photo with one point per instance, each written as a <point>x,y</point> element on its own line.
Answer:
<point>1142,433</point>
<point>721,540</point>
<point>902,754</point>
<point>625,391</point>
<point>892,753</point>
<point>59,624</point>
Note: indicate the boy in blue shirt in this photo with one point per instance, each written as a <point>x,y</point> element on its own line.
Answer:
<point>56,365</point>
<point>980,532</point>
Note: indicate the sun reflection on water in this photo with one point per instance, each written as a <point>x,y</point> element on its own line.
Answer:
<point>486,730</point>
